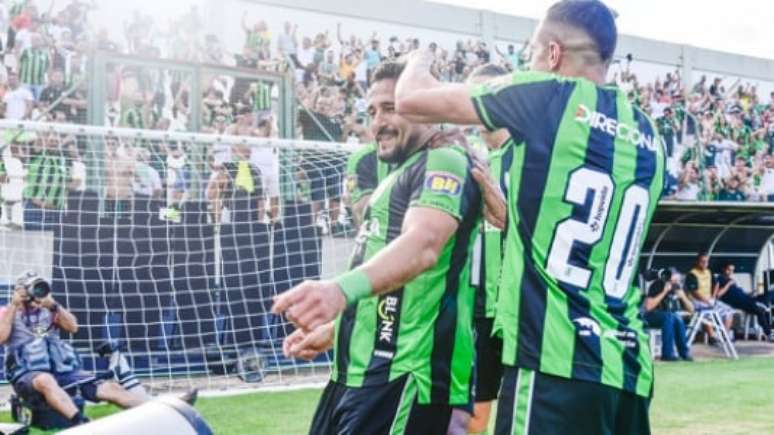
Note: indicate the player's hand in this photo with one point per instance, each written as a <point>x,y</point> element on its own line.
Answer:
<point>311,304</point>
<point>307,346</point>
<point>495,207</point>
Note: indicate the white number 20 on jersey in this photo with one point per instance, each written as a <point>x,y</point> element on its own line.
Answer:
<point>628,232</point>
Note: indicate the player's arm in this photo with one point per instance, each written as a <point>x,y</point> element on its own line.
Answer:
<point>425,231</point>
<point>420,97</point>
<point>437,205</point>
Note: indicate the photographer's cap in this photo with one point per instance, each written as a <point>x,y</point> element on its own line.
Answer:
<point>26,278</point>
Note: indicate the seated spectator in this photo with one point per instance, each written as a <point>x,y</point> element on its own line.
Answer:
<point>38,362</point>
<point>703,289</point>
<point>733,295</point>
<point>18,100</point>
<point>664,300</point>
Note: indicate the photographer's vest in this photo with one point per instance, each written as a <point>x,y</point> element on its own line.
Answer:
<point>34,345</point>
<point>704,281</point>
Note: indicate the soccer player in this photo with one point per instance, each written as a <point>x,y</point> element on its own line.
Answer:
<point>487,261</point>
<point>403,343</point>
<point>364,172</point>
<point>579,205</point>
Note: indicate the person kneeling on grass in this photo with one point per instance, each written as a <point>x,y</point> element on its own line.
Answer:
<point>38,362</point>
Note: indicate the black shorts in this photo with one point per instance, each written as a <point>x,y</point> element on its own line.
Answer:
<point>533,403</point>
<point>382,409</point>
<point>489,367</point>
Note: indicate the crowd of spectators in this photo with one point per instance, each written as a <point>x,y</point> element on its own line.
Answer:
<point>719,133</point>
<point>719,136</point>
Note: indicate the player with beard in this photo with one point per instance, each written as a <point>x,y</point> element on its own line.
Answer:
<point>402,336</point>
<point>581,197</point>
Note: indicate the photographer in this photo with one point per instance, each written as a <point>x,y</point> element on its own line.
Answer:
<point>660,310</point>
<point>39,363</point>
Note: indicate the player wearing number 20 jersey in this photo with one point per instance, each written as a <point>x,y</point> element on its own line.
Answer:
<point>590,176</point>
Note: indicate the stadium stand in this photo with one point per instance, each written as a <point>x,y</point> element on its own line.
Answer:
<point>720,134</point>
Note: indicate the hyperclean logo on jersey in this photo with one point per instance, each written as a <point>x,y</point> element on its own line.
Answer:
<point>601,122</point>
<point>443,183</point>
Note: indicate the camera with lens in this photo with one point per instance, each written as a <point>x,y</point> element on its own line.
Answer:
<point>34,285</point>
<point>664,274</point>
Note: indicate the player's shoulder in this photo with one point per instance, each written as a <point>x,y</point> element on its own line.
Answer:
<point>453,156</point>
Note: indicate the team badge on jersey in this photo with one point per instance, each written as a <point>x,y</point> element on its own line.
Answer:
<point>443,183</point>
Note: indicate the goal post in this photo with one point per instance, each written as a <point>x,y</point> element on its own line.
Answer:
<point>173,244</point>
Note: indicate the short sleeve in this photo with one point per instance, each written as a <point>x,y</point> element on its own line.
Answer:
<point>517,102</point>
<point>446,184</point>
<point>691,283</point>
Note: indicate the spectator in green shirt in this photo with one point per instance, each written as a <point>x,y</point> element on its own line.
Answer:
<point>45,192</point>
<point>732,191</point>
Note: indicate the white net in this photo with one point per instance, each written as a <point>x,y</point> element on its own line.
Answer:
<point>173,244</point>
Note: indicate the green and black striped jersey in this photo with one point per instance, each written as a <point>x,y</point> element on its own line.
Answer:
<point>364,172</point>
<point>486,260</point>
<point>581,198</point>
<point>47,180</point>
<point>262,97</point>
<point>424,328</point>
<point>33,66</point>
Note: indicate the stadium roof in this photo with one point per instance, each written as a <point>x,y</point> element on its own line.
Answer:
<point>722,228</point>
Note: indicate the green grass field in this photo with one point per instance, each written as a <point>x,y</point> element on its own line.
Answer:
<point>710,397</point>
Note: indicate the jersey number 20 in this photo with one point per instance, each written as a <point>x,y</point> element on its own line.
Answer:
<point>624,248</point>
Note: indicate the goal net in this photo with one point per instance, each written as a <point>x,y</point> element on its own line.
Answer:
<point>172,245</point>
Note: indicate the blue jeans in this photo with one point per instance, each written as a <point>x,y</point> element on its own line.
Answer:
<point>672,332</point>
<point>737,298</point>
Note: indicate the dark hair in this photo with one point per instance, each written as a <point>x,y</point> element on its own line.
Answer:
<point>592,17</point>
<point>488,70</point>
<point>387,71</point>
<point>727,264</point>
